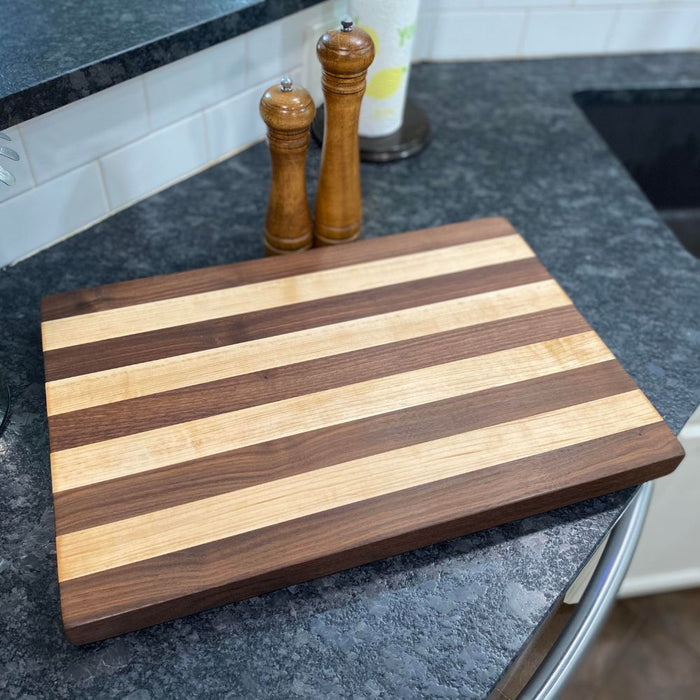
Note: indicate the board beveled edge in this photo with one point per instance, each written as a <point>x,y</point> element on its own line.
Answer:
<point>85,630</point>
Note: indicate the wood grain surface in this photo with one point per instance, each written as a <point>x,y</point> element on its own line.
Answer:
<point>220,433</point>
<point>345,55</point>
<point>288,111</point>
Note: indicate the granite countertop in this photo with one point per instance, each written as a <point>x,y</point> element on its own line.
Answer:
<point>46,62</point>
<point>444,621</point>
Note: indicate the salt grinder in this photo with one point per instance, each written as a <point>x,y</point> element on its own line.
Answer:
<point>345,56</point>
<point>288,110</point>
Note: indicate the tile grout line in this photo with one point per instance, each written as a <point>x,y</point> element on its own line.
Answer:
<point>523,32</point>
<point>149,115</point>
<point>611,30</point>
<point>103,185</point>
<point>29,160</point>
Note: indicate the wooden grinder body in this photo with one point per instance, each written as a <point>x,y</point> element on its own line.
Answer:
<point>288,111</point>
<point>345,56</point>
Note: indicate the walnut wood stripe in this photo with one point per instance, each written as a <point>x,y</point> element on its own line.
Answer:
<point>192,524</point>
<point>130,597</point>
<point>121,294</point>
<point>161,447</point>
<point>163,488</point>
<point>277,293</point>
<point>180,405</point>
<point>197,337</point>
<point>122,383</point>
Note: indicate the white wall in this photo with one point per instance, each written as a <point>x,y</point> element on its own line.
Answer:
<point>84,161</point>
<point>668,554</point>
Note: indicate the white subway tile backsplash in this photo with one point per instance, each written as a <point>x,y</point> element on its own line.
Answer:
<point>614,3</point>
<point>235,123</point>
<point>273,48</point>
<point>19,168</point>
<point>80,132</point>
<point>311,25</point>
<point>156,160</point>
<point>526,4</point>
<point>656,29</point>
<point>440,5</point>
<point>44,214</point>
<point>328,14</point>
<point>425,31</point>
<point>478,34</point>
<point>196,82</point>
<point>567,32</point>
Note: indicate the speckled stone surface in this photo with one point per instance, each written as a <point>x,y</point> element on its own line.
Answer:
<point>56,51</point>
<point>444,621</point>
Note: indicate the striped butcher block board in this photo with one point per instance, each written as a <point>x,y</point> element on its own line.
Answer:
<point>220,433</point>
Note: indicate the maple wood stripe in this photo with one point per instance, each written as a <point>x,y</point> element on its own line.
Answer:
<point>149,289</point>
<point>157,410</point>
<point>160,447</point>
<point>191,524</point>
<point>197,337</point>
<point>278,293</point>
<point>126,598</point>
<point>163,488</point>
<point>122,383</point>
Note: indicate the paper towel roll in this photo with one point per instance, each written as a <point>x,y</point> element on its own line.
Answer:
<point>392,26</point>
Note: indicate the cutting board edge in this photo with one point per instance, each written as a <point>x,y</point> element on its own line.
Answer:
<point>89,631</point>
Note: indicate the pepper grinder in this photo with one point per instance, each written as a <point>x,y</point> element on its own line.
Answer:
<point>345,56</point>
<point>288,110</point>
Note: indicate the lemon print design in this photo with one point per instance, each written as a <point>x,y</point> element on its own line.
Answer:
<point>372,35</point>
<point>385,83</point>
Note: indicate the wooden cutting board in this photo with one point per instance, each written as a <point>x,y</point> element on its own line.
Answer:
<point>220,433</point>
